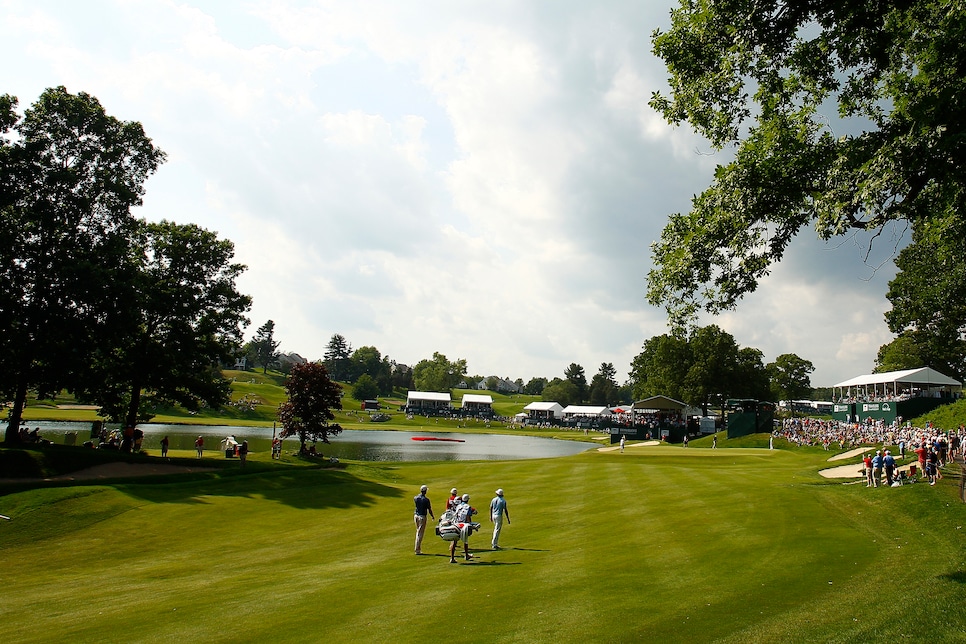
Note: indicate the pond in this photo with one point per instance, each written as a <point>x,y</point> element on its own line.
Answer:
<point>359,445</point>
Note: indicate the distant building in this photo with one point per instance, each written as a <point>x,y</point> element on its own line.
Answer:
<point>500,385</point>
<point>477,405</point>
<point>430,403</point>
<point>543,412</point>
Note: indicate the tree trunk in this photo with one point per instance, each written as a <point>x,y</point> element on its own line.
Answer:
<point>12,436</point>
<point>132,410</point>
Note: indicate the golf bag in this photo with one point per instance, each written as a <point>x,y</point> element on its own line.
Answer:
<point>449,530</point>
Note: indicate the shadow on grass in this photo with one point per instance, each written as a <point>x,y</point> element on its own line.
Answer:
<point>476,562</point>
<point>959,577</point>
<point>302,488</point>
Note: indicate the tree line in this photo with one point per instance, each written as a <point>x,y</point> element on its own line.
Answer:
<point>702,367</point>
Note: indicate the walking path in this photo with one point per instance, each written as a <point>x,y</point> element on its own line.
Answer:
<point>617,447</point>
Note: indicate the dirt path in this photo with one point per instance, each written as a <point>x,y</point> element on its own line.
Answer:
<point>628,445</point>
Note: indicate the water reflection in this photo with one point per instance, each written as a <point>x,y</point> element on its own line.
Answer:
<point>360,445</point>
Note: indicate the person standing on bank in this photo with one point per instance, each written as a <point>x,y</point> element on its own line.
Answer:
<point>498,510</point>
<point>243,453</point>
<point>423,507</point>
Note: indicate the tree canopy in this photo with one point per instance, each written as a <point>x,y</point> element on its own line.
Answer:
<point>928,298</point>
<point>604,389</point>
<point>438,374</point>
<point>844,115</point>
<point>338,357</point>
<point>181,317</point>
<point>701,369</point>
<point>264,347</point>
<point>69,176</point>
<point>312,396</point>
<point>790,379</point>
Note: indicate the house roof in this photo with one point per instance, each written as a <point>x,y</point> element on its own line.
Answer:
<point>922,376</point>
<point>428,395</point>
<point>658,402</point>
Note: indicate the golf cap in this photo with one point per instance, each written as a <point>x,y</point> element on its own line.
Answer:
<point>466,497</point>
<point>423,489</point>
<point>499,492</point>
<point>453,491</point>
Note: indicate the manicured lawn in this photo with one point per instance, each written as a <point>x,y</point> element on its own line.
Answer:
<point>656,544</point>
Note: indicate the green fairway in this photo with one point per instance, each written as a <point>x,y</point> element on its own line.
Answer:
<point>656,544</point>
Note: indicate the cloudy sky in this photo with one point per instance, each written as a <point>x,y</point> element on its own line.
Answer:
<point>482,179</point>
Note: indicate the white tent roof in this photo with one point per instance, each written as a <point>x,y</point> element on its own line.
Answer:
<point>922,376</point>
<point>428,395</point>
<point>477,398</point>
<point>587,410</point>
<point>544,406</point>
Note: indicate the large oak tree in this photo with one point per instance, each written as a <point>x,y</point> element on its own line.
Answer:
<point>69,176</point>
<point>844,115</point>
<point>182,317</point>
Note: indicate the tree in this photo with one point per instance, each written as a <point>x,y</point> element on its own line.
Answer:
<point>560,391</point>
<point>365,388</point>
<point>438,374</point>
<point>182,316</point>
<point>265,347</point>
<point>751,376</point>
<point>902,353</point>
<point>535,386</point>
<point>312,396</point>
<point>702,369</point>
<point>69,177</point>
<point>928,298</point>
<point>338,358</point>
<point>759,76</point>
<point>711,377</point>
<point>368,361</point>
<point>603,386</point>
<point>575,374</point>
<point>660,367</point>
<point>789,375</point>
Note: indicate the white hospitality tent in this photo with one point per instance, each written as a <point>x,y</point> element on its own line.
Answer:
<point>924,381</point>
<point>544,410</point>
<point>477,402</point>
<point>587,411</point>
<point>428,399</point>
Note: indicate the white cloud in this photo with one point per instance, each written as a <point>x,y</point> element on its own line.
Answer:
<point>482,180</point>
